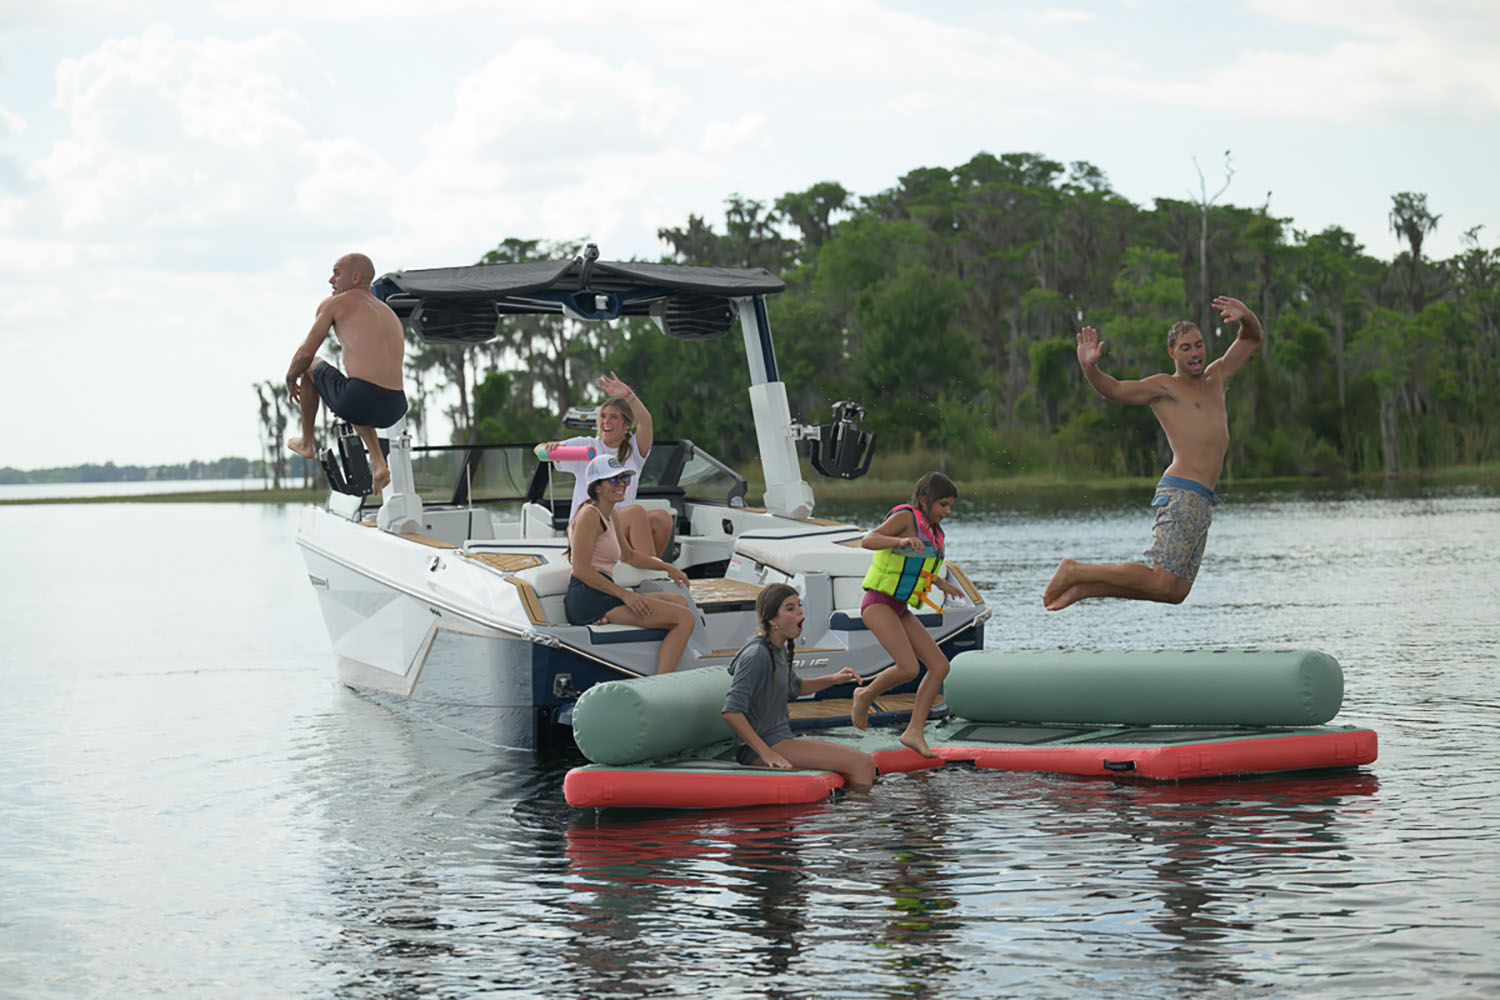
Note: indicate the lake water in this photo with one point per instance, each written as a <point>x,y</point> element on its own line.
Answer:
<point>133,488</point>
<point>191,807</point>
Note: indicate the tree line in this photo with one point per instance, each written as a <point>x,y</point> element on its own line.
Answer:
<point>109,472</point>
<point>948,304</point>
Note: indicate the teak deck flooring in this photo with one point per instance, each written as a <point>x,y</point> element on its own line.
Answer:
<point>833,708</point>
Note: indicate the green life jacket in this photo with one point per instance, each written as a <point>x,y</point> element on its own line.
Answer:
<point>905,576</point>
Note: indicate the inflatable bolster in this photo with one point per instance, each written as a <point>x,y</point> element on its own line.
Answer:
<point>625,722</point>
<point>1166,687</point>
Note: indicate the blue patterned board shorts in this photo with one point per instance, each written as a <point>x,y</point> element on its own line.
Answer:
<point>1184,510</point>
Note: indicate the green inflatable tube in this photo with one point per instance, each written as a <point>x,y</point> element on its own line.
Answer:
<point>1134,687</point>
<point>624,722</point>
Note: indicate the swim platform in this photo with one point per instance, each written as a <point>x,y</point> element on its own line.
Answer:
<point>1165,715</point>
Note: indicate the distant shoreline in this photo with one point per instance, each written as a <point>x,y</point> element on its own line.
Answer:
<point>866,488</point>
<point>869,488</point>
<point>298,495</point>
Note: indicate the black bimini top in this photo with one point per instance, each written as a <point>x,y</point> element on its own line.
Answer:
<point>465,304</point>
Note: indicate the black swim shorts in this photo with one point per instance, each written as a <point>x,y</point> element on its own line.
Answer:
<point>583,605</point>
<point>362,403</point>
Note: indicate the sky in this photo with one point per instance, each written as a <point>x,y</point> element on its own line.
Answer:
<point>176,179</point>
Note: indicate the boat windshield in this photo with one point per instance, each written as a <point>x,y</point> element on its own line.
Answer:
<point>464,474</point>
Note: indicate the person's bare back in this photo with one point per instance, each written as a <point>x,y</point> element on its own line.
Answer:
<point>370,334</point>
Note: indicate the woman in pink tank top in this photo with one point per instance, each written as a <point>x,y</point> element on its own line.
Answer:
<point>595,545</point>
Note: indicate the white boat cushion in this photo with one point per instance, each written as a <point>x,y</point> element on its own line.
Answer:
<point>627,575</point>
<point>794,551</point>
<point>547,579</point>
<point>552,578</point>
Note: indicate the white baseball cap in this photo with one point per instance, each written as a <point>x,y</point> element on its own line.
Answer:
<point>605,467</point>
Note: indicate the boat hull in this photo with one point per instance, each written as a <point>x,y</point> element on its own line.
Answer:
<point>443,637</point>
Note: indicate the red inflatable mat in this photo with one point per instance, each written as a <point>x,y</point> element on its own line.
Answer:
<point>715,783</point>
<point>694,784</point>
<point>1159,752</point>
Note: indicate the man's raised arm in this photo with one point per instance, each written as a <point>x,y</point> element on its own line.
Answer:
<point>1135,392</point>
<point>1250,336</point>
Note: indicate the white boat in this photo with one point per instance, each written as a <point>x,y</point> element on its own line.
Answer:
<point>446,599</point>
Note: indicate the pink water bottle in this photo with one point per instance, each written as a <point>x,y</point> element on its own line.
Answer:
<point>565,453</point>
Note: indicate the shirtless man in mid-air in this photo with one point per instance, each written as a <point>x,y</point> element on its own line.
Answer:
<point>1189,405</point>
<point>371,395</point>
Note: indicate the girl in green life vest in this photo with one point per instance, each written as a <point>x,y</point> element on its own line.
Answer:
<point>907,564</point>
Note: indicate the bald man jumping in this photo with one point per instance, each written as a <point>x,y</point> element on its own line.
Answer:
<point>371,395</point>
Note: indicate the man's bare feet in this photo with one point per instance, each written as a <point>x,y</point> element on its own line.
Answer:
<point>302,446</point>
<point>1072,595</point>
<point>1061,580</point>
<point>859,712</point>
<point>380,479</point>
<point>917,743</point>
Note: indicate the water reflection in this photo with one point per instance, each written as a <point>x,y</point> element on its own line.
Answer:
<point>785,888</point>
<point>741,866</point>
<point>911,866</point>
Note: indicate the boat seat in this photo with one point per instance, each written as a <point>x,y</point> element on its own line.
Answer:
<point>550,583</point>
<point>536,522</point>
<point>798,551</point>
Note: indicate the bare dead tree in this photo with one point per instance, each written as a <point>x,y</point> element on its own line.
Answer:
<point>1204,202</point>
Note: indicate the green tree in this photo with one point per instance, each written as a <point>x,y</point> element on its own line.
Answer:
<point>1052,362</point>
<point>504,415</point>
<point>694,388</point>
<point>274,406</point>
<point>750,239</point>
<point>1327,274</point>
<point>1412,221</point>
<point>911,354</point>
<point>812,211</point>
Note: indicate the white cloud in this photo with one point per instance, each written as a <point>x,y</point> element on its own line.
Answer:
<point>20,14</point>
<point>1467,22</point>
<point>1062,15</point>
<point>174,135</point>
<point>530,149</point>
<point>852,41</point>
<point>746,131</point>
<point>537,95</point>
<point>11,124</point>
<point>1407,62</point>
<point>347,10</point>
<point>348,186</point>
<point>11,181</point>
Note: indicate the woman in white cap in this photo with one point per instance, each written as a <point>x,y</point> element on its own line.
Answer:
<point>625,431</point>
<point>595,544</point>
